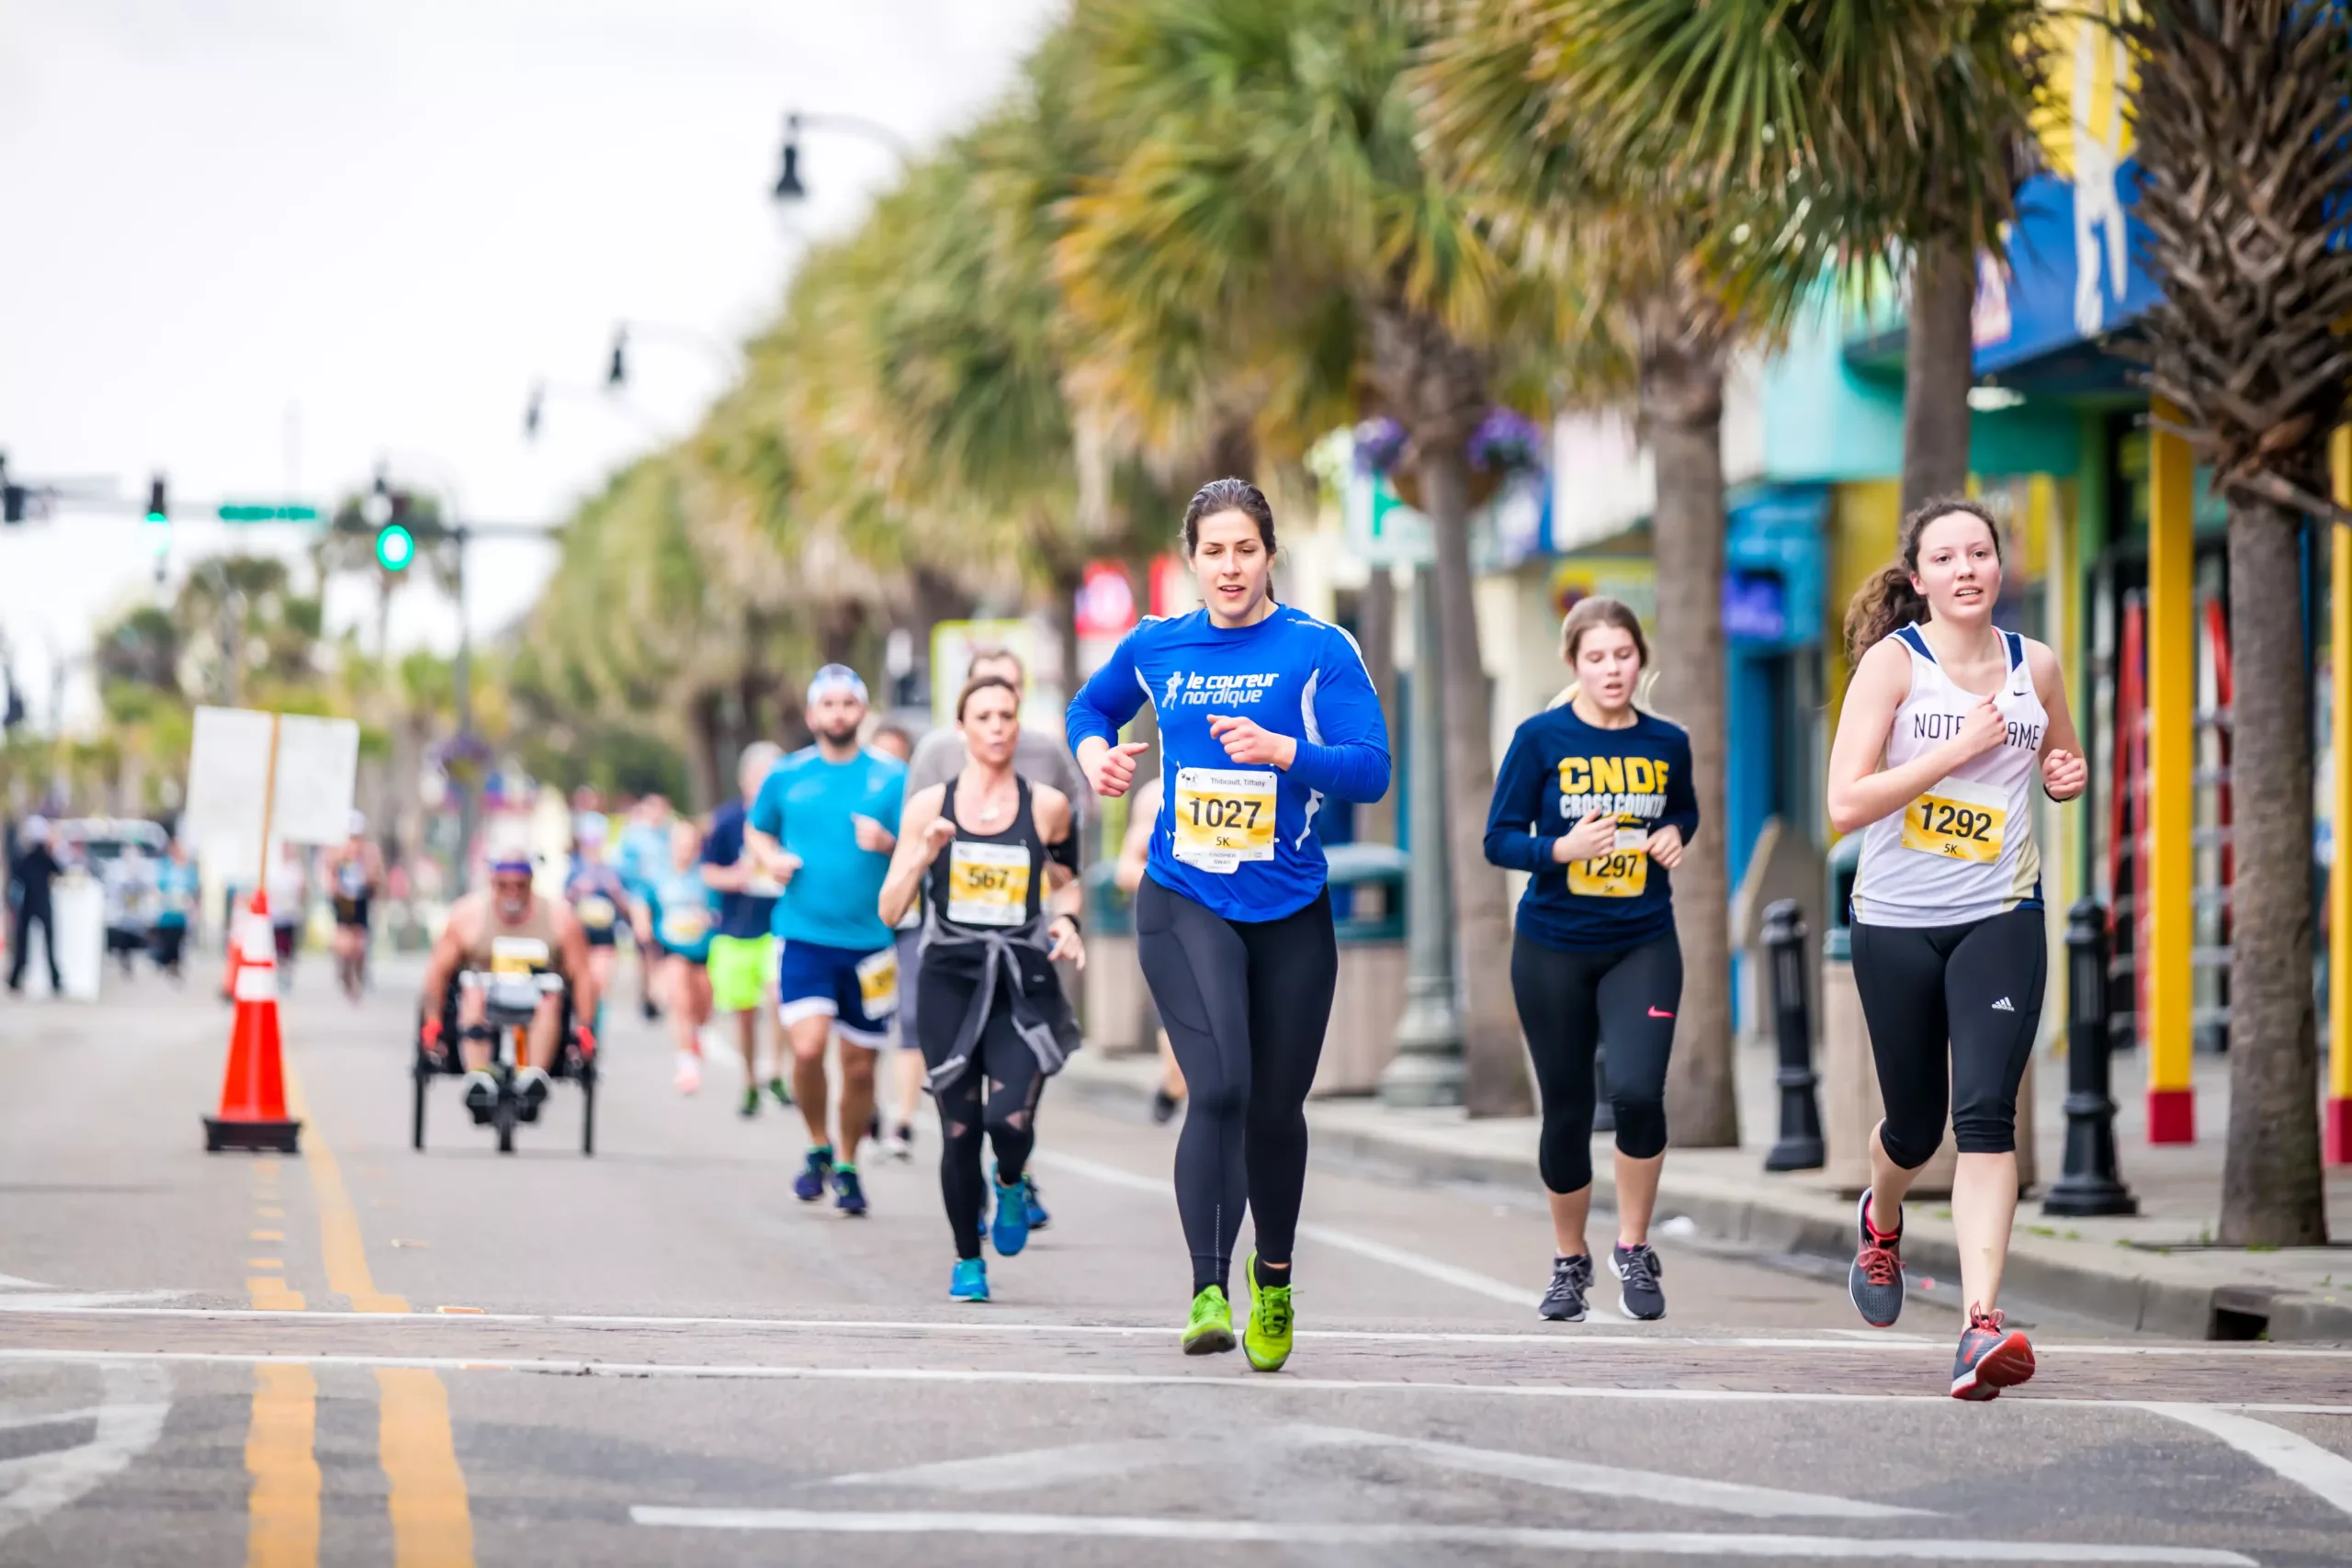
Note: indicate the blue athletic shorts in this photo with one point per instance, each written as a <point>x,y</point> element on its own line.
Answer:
<point>858,990</point>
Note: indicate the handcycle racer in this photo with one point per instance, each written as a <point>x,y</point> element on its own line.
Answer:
<point>508,930</point>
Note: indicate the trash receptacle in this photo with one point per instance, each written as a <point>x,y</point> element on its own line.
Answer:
<point>1850,1106</point>
<point>1118,1005</point>
<point>1368,911</point>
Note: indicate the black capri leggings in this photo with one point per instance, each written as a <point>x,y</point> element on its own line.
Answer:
<point>1570,1004</point>
<point>1978,985</point>
<point>1244,1003</point>
<point>994,1099</point>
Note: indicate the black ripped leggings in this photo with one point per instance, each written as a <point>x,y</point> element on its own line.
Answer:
<point>1978,985</point>
<point>1244,1004</point>
<point>1570,1004</point>
<point>992,1101</point>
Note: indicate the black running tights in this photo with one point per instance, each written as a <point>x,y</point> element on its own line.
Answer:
<point>1572,1003</point>
<point>992,1101</point>
<point>1244,1003</point>
<point>1977,986</point>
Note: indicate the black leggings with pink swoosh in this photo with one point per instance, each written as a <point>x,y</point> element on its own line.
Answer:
<point>1570,1005</point>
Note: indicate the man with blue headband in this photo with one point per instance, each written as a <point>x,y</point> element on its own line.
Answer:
<point>817,826</point>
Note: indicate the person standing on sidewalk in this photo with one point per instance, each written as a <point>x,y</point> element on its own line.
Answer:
<point>1594,801</point>
<point>1944,725</point>
<point>817,827</point>
<point>994,1021</point>
<point>742,949</point>
<point>1263,711</point>
<point>32,873</point>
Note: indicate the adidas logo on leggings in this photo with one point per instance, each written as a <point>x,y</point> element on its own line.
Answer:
<point>2003,1006</point>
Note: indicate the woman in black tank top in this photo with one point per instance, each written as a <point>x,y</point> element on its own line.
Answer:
<point>987,850</point>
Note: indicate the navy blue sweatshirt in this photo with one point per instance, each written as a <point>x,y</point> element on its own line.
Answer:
<point>1558,771</point>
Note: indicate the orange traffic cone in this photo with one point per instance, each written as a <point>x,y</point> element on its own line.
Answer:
<point>253,1093</point>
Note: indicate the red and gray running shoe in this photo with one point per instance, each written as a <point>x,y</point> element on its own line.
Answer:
<point>1991,1357</point>
<point>1875,1279</point>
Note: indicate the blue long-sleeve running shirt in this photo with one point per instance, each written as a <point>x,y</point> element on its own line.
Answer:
<point>1239,841</point>
<point>1558,771</point>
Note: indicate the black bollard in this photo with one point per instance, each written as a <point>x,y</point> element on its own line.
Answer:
<point>1800,1144</point>
<point>2089,1184</point>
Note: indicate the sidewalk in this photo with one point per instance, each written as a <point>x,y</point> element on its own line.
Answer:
<point>2155,1271</point>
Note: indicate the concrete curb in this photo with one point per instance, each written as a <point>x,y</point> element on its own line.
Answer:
<point>2178,1296</point>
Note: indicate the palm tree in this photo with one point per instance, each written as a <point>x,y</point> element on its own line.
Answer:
<point>1667,278</point>
<point>2242,121</point>
<point>1269,247</point>
<point>1889,125</point>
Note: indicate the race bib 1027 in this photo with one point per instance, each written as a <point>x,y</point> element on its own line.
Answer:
<point>1224,817</point>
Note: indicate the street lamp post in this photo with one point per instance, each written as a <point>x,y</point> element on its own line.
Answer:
<point>1426,1069</point>
<point>788,184</point>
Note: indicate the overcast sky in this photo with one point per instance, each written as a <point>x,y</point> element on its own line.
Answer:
<point>258,244</point>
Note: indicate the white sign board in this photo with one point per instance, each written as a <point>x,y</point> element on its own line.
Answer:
<point>318,765</point>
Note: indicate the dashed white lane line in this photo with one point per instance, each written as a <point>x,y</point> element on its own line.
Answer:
<point>1607,1544</point>
<point>1030,1377</point>
<point>2319,1471</point>
<point>1469,1280</point>
<point>1032,1469</point>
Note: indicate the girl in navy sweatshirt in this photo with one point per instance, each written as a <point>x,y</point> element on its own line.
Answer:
<point>1594,801</point>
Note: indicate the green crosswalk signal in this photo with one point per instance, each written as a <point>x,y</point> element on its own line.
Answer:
<point>395,547</point>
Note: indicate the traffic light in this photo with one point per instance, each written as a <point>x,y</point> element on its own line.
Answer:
<point>158,523</point>
<point>395,546</point>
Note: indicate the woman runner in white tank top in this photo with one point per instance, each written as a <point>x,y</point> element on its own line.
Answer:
<point>1945,725</point>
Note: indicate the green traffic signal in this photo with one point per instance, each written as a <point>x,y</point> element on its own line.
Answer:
<point>395,547</point>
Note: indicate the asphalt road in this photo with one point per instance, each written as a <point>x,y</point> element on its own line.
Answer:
<point>367,1355</point>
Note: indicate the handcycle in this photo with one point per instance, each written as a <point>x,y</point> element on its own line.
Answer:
<point>510,1002</point>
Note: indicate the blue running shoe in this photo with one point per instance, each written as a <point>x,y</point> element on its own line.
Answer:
<point>970,1280</point>
<point>1009,1229</point>
<point>849,1197</point>
<point>1039,1218</point>
<point>809,1185</point>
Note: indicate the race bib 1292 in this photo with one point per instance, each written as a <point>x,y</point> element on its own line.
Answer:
<point>1957,819</point>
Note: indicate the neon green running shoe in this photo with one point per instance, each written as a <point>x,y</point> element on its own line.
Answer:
<point>1266,1338</point>
<point>1210,1328</point>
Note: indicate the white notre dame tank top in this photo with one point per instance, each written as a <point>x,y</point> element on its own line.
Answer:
<point>1964,849</point>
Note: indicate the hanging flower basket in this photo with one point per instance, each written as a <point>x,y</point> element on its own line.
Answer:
<point>464,759</point>
<point>1507,443</point>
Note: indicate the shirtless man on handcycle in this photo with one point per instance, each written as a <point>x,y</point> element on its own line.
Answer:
<point>507,929</point>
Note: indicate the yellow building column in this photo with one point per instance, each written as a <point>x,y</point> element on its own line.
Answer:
<point>2171,789</point>
<point>2337,1142</point>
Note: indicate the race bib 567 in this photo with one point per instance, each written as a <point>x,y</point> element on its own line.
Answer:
<point>988,884</point>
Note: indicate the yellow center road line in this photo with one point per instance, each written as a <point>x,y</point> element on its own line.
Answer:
<point>339,1239</point>
<point>270,1294</point>
<point>432,1519</point>
<point>265,1235</point>
<point>282,1530</point>
<point>431,1527</point>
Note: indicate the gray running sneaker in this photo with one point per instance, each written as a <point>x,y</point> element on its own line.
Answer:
<point>1637,1269</point>
<point>1564,1298</point>
<point>1875,1279</point>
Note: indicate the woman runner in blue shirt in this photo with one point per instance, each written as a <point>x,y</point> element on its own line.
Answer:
<point>1594,801</point>
<point>1263,711</point>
